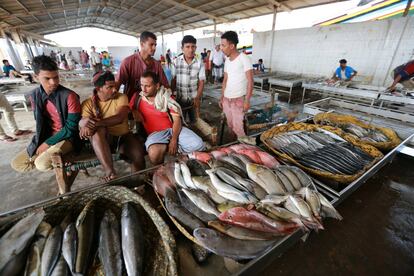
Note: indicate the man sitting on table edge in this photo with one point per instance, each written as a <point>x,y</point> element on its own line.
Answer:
<point>10,71</point>
<point>57,112</point>
<point>105,123</point>
<point>343,72</point>
<point>403,74</point>
<point>162,119</point>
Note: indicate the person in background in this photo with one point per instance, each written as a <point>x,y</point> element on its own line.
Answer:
<point>106,60</point>
<point>237,84</point>
<point>259,66</point>
<point>53,56</point>
<point>344,72</point>
<point>161,117</point>
<point>84,57</point>
<point>28,65</point>
<point>57,113</point>
<point>105,122</point>
<point>70,61</point>
<point>162,59</point>
<point>10,72</point>
<point>96,62</point>
<point>204,55</point>
<point>168,57</point>
<point>244,50</point>
<point>63,65</point>
<point>134,66</point>
<point>403,74</point>
<point>207,66</point>
<point>188,79</point>
<point>217,60</point>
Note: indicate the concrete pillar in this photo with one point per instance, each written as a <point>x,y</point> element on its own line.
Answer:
<point>14,56</point>
<point>407,8</point>
<point>215,33</point>
<point>272,38</point>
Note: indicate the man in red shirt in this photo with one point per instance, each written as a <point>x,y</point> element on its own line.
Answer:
<point>134,66</point>
<point>161,117</point>
<point>403,74</point>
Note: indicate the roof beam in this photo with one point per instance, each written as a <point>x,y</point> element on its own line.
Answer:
<point>194,10</point>
<point>96,25</point>
<point>279,4</point>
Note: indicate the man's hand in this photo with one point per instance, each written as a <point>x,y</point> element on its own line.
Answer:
<point>391,89</point>
<point>42,148</point>
<point>172,146</point>
<point>85,133</point>
<point>246,105</point>
<point>88,122</point>
<point>137,116</point>
<point>221,102</point>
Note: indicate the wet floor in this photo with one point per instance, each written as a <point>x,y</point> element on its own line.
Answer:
<point>376,236</point>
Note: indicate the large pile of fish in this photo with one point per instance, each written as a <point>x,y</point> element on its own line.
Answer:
<point>323,151</point>
<point>33,247</point>
<point>237,206</point>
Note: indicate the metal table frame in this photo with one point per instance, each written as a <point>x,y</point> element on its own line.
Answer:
<point>287,83</point>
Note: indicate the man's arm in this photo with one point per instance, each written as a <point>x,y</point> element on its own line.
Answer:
<point>249,92</point>
<point>121,115</point>
<point>176,129</point>
<point>122,76</point>
<point>396,80</point>
<point>223,88</point>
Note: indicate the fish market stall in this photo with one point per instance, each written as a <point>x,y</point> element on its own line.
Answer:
<point>285,84</point>
<point>262,80</point>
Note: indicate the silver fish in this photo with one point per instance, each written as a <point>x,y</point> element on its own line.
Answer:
<point>265,178</point>
<point>202,201</point>
<point>33,264</point>
<point>312,198</point>
<point>204,184</point>
<point>284,180</point>
<point>17,238</point>
<point>293,179</point>
<point>327,208</point>
<point>51,251</point>
<point>70,246</point>
<point>305,179</point>
<point>132,240</point>
<point>187,176</point>
<point>110,244</point>
<point>234,161</point>
<point>178,175</point>
<point>85,225</point>
<point>61,268</point>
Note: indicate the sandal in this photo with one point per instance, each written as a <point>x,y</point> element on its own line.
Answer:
<point>7,138</point>
<point>21,132</point>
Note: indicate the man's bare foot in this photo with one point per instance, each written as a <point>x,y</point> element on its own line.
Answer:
<point>21,132</point>
<point>7,138</point>
<point>109,177</point>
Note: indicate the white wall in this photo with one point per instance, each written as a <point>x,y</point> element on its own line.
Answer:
<point>118,53</point>
<point>372,48</point>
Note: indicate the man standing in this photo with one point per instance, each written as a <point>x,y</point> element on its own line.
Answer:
<point>403,74</point>
<point>57,113</point>
<point>8,112</point>
<point>134,66</point>
<point>344,72</point>
<point>95,60</point>
<point>237,84</point>
<point>188,79</point>
<point>105,122</point>
<point>161,117</point>
<point>217,58</point>
<point>204,54</point>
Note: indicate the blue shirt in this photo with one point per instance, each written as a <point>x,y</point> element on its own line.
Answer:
<point>7,69</point>
<point>348,72</point>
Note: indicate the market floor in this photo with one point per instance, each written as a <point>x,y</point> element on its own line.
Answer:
<point>376,236</point>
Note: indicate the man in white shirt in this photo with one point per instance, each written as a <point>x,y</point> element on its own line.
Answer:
<point>217,59</point>
<point>95,61</point>
<point>237,83</point>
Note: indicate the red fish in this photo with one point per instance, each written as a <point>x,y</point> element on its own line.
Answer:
<point>161,182</point>
<point>238,147</point>
<point>200,156</point>
<point>254,220</point>
<point>252,154</point>
<point>268,160</point>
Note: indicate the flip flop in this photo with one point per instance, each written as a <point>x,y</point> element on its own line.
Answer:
<point>21,132</point>
<point>7,139</point>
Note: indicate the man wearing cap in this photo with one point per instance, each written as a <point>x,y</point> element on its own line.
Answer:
<point>105,123</point>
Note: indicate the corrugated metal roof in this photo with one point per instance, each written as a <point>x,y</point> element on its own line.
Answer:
<point>134,16</point>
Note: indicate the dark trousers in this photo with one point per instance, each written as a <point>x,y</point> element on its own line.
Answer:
<point>188,109</point>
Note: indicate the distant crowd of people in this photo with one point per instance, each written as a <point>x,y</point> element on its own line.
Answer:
<point>96,61</point>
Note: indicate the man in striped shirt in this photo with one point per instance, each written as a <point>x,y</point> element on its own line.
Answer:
<point>188,79</point>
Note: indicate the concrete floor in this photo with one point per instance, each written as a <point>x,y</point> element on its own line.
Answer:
<point>22,189</point>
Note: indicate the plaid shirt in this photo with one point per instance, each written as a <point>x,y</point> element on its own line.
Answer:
<point>188,76</point>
